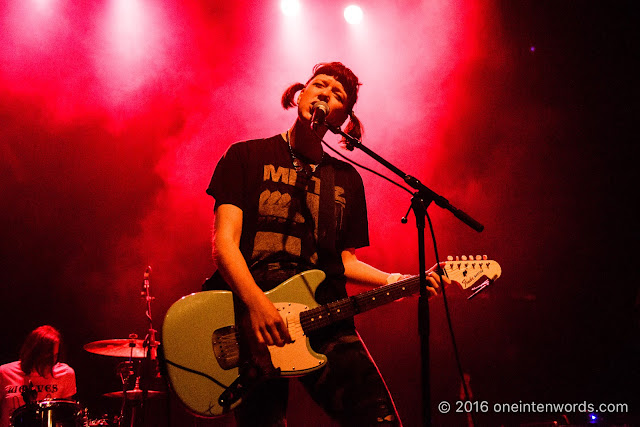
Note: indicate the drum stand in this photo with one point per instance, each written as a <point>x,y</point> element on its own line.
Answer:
<point>133,399</point>
<point>138,371</point>
<point>149,365</point>
<point>127,372</point>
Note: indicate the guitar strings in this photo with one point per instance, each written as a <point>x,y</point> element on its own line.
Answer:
<point>229,341</point>
<point>232,338</point>
<point>322,316</point>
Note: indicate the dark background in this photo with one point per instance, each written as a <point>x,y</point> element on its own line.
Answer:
<point>537,144</point>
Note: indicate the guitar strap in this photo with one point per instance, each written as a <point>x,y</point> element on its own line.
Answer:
<point>327,213</point>
<point>326,230</point>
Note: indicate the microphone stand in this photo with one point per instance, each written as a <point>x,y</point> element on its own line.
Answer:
<point>150,344</point>
<point>420,201</point>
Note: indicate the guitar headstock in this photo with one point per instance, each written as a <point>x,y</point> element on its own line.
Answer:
<point>472,273</point>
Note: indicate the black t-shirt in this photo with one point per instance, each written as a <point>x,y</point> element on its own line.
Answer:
<point>281,209</point>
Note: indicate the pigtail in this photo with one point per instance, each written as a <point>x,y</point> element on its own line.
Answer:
<point>354,128</point>
<point>289,95</point>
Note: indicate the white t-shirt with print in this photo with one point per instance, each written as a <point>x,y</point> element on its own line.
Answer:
<point>60,385</point>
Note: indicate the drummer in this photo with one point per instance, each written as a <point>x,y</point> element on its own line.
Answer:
<point>38,375</point>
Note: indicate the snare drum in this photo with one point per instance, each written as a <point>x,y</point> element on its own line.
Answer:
<point>50,413</point>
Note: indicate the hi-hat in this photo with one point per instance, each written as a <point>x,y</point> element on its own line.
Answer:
<point>135,394</point>
<point>118,348</point>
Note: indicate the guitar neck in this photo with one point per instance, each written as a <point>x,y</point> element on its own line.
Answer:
<point>465,272</point>
<point>347,308</point>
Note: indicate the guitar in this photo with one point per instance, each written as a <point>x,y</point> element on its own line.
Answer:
<point>200,339</point>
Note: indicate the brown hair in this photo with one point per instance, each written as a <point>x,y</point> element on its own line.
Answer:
<point>37,351</point>
<point>349,81</point>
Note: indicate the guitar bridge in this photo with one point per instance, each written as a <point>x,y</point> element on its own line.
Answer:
<point>226,347</point>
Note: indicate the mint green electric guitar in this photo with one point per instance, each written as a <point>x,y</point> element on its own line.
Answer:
<point>201,342</point>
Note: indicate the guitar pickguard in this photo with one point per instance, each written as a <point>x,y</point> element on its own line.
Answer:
<point>296,358</point>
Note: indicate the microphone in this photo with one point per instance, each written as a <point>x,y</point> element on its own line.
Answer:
<point>145,282</point>
<point>29,394</point>
<point>319,111</point>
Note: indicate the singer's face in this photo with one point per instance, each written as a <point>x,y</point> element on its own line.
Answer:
<point>328,89</point>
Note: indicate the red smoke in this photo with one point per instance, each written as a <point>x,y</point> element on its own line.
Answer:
<point>114,114</point>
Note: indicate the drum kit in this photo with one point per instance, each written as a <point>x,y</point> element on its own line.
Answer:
<point>140,358</point>
<point>136,372</point>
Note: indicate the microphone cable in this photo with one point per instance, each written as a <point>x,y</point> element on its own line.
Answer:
<point>360,165</point>
<point>439,270</point>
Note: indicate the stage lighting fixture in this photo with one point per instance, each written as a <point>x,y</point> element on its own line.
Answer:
<point>353,14</point>
<point>290,7</point>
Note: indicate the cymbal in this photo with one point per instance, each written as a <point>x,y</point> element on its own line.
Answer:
<point>117,348</point>
<point>135,394</point>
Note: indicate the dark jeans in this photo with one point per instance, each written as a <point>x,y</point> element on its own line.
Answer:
<point>349,388</point>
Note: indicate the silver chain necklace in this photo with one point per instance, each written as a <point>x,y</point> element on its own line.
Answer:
<point>300,166</point>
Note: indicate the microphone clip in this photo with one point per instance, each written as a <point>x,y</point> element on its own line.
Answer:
<point>146,283</point>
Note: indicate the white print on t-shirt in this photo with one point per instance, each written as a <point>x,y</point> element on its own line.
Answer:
<point>283,208</point>
<point>290,177</point>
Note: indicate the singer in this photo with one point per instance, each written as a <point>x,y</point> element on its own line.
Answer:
<point>283,206</point>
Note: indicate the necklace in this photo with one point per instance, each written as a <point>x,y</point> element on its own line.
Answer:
<point>307,169</point>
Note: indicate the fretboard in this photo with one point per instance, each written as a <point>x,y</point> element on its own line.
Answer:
<point>346,308</point>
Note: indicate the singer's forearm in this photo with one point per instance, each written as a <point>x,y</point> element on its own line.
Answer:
<point>360,272</point>
<point>226,253</point>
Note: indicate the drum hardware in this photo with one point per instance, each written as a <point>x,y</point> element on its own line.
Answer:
<point>50,413</point>
<point>126,370</point>
<point>131,348</point>
<point>133,400</point>
<point>134,394</point>
<point>150,340</point>
<point>104,422</point>
<point>128,375</point>
<point>142,364</point>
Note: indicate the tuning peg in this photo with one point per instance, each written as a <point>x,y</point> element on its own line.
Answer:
<point>464,257</point>
<point>484,257</point>
<point>449,258</point>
